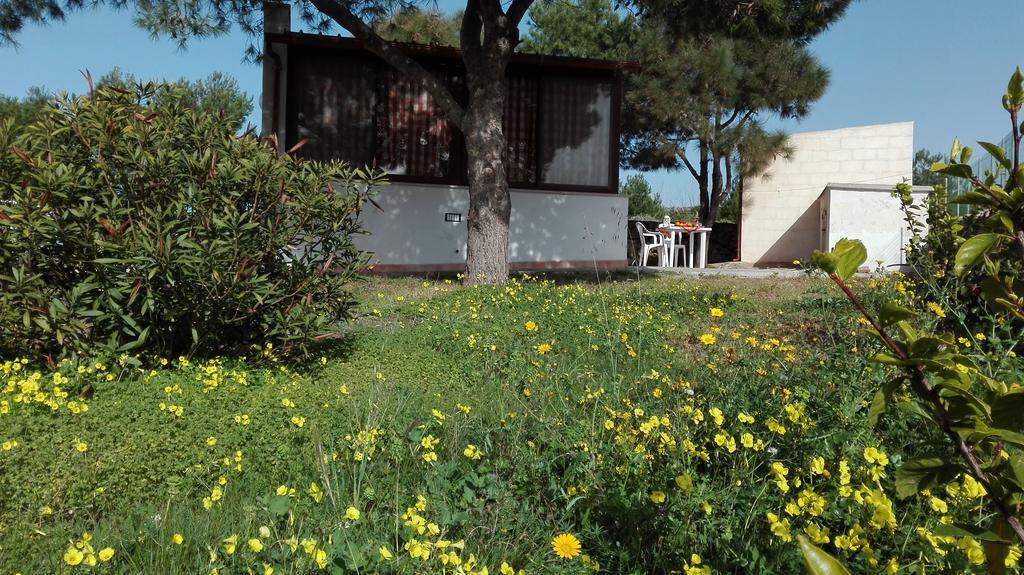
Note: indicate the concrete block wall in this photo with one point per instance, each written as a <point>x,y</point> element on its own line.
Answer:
<point>781,220</point>
<point>546,230</point>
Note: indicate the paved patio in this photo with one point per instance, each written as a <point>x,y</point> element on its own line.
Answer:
<point>728,269</point>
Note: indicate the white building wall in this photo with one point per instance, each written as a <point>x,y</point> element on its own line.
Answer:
<point>781,221</point>
<point>870,214</point>
<point>547,229</point>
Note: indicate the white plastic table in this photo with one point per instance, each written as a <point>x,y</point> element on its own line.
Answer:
<point>670,240</point>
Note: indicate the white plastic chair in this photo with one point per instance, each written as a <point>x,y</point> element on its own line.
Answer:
<point>678,248</point>
<point>656,242</point>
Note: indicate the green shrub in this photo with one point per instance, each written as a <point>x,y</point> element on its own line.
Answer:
<point>129,228</point>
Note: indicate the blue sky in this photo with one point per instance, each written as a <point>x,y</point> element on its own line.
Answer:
<point>939,63</point>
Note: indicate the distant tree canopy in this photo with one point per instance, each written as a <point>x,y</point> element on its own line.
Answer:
<point>586,29</point>
<point>412,24</point>
<point>643,201</point>
<point>24,110</point>
<point>216,94</point>
<point>923,174</point>
<point>704,90</point>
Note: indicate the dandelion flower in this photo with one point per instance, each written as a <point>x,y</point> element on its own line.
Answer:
<point>544,348</point>
<point>717,312</point>
<point>531,326</point>
<point>708,339</point>
<point>566,545</point>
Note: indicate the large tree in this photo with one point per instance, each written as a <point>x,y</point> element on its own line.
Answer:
<point>488,35</point>
<point>703,91</point>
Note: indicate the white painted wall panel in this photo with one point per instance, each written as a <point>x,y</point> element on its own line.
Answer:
<point>545,227</point>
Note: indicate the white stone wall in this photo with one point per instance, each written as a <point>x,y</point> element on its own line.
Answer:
<point>781,220</point>
<point>547,229</point>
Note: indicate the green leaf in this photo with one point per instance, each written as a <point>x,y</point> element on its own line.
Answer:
<point>972,251</point>
<point>922,473</point>
<point>955,170</point>
<point>850,254</point>
<point>824,261</point>
<point>882,399</point>
<point>997,153</point>
<point>972,198</point>
<point>1015,90</point>
<point>278,504</point>
<point>1008,411</point>
<point>961,530</point>
<point>893,312</point>
<point>819,562</point>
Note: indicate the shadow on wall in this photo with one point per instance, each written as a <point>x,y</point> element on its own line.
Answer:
<point>797,242</point>
<point>410,228</point>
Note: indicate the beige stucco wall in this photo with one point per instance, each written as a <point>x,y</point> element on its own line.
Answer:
<point>781,220</point>
<point>552,228</point>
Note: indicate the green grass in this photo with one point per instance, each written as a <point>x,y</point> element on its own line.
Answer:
<point>566,439</point>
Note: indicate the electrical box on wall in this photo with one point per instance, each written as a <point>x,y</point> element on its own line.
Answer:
<point>452,217</point>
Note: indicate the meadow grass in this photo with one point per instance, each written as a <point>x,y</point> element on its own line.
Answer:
<point>664,424</point>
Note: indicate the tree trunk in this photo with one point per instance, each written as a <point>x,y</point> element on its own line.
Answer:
<point>702,183</point>
<point>715,200</point>
<point>490,205</point>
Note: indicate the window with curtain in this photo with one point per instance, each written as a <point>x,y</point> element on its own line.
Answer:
<point>520,123</point>
<point>332,107</point>
<point>575,139</point>
<point>413,136</point>
<point>558,127</point>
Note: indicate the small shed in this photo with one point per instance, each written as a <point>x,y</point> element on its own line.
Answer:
<point>869,213</point>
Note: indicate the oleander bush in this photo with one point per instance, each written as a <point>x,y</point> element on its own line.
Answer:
<point>126,227</point>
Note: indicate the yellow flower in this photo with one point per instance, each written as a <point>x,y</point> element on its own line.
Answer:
<point>352,514</point>
<point>177,539</point>
<point>211,441</point>
<point>872,455</point>
<point>298,421</point>
<point>81,446</point>
<point>936,309</point>
<point>657,497</point>
<point>268,569</point>
<point>320,556</point>
<point>531,326</point>
<point>544,348</point>
<point>472,452</point>
<point>230,543</point>
<point>566,545</point>
<point>73,556</point>
<point>717,312</point>
<point>684,483</point>
<point>708,339</point>
<point>255,545</point>
<point>817,466</point>
<point>385,553</point>
<point>315,492</point>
